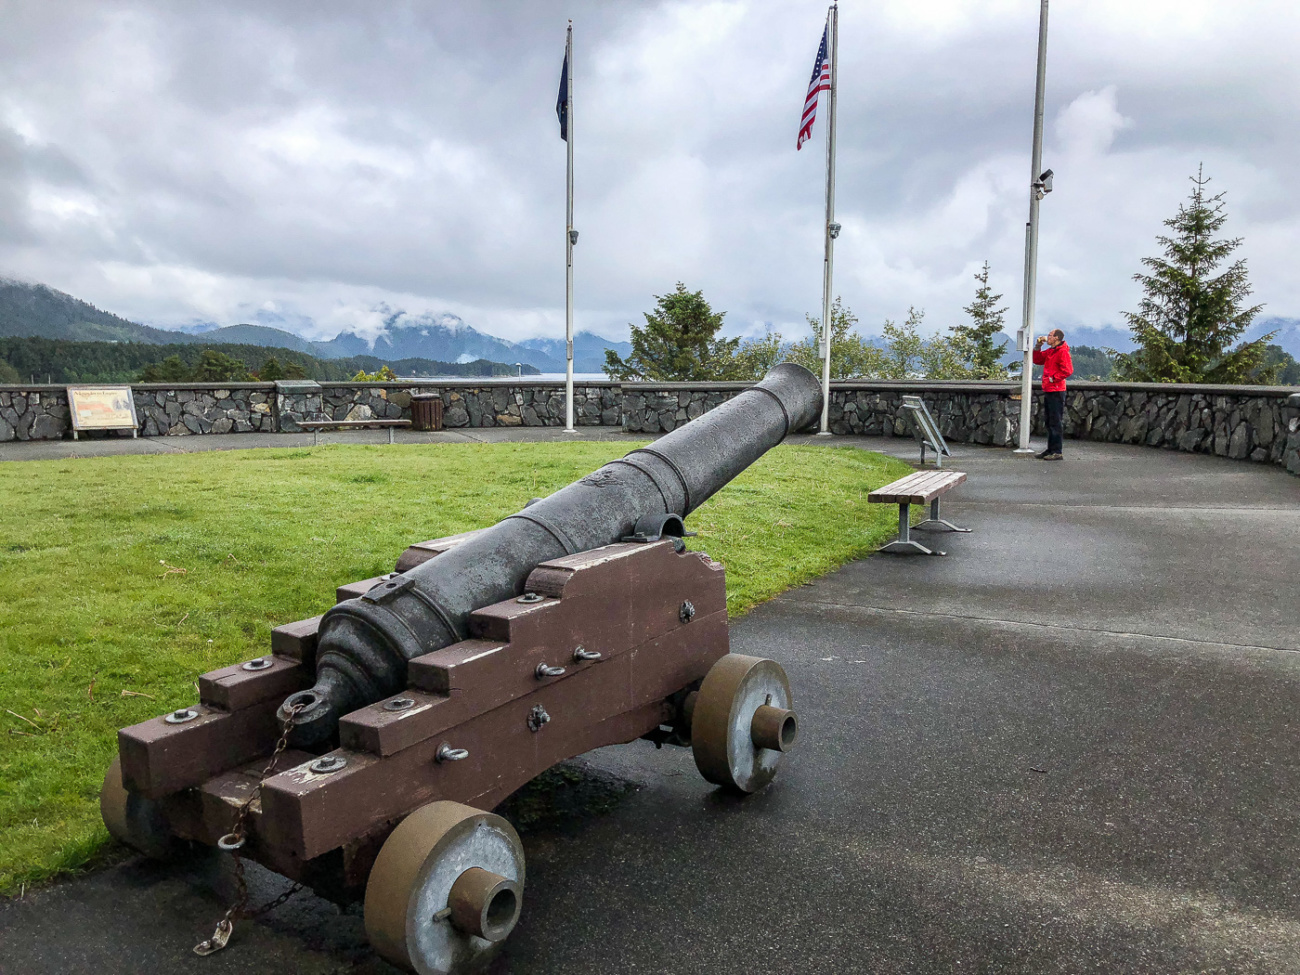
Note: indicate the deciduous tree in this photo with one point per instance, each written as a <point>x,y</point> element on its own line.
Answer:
<point>755,357</point>
<point>852,356</point>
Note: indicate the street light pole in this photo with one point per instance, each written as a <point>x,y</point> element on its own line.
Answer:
<point>1040,184</point>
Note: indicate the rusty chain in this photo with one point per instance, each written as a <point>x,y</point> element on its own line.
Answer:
<point>234,840</point>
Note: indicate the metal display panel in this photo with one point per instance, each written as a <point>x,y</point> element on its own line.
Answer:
<point>926,430</point>
<point>102,408</point>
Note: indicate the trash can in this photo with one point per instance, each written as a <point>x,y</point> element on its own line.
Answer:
<point>426,412</point>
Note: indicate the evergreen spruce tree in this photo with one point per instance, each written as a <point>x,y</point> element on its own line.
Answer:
<point>974,342</point>
<point>217,367</point>
<point>271,370</point>
<point>1188,320</point>
<point>679,343</point>
<point>170,370</point>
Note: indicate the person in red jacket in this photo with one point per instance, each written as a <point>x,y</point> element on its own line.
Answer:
<point>1057,367</point>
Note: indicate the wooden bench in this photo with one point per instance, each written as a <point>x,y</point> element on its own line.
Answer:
<point>316,426</point>
<point>918,488</point>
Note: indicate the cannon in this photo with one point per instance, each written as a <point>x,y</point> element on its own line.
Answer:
<point>363,755</point>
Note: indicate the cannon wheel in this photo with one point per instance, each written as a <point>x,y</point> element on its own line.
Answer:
<point>134,820</point>
<point>722,738</point>
<point>445,890</point>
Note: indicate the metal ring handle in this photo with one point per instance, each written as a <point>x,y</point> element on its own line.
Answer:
<point>448,754</point>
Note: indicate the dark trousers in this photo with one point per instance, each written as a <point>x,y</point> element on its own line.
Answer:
<point>1054,416</point>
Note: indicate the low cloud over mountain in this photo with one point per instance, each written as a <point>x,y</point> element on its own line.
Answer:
<point>39,311</point>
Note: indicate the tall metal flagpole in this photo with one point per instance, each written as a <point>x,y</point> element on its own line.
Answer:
<point>570,238</point>
<point>1036,191</point>
<point>832,228</point>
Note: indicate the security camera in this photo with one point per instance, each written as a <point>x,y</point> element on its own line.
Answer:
<point>1043,185</point>
<point>573,237</point>
<point>834,230</point>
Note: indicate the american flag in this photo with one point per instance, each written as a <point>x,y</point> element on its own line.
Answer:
<point>821,81</point>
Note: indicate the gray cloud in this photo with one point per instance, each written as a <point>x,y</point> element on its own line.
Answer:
<point>176,161</point>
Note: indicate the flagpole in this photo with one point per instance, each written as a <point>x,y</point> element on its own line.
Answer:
<point>1031,242</point>
<point>832,228</point>
<point>570,238</point>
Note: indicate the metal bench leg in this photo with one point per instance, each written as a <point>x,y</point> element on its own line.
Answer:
<point>905,543</point>
<point>935,523</point>
<point>315,437</point>
<point>390,434</point>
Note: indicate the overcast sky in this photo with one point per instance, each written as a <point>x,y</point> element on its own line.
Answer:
<point>174,161</point>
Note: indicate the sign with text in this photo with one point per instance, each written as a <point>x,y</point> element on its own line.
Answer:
<point>102,407</point>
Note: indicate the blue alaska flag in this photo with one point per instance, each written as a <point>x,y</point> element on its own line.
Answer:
<point>562,102</point>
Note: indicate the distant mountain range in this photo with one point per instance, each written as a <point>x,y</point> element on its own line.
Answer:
<point>1121,339</point>
<point>39,311</point>
<point>35,310</point>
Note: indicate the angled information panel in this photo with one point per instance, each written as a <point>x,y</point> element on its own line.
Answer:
<point>926,430</point>
<point>102,408</point>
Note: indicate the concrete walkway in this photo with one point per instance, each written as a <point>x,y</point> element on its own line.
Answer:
<point>1070,746</point>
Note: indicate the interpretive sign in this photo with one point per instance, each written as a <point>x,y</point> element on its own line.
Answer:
<point>102,408</point>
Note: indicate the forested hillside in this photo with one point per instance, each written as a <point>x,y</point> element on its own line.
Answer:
<point>34,309</point>
<point>59,361</point>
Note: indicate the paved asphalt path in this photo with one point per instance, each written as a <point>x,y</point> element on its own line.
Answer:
<point>1070,746</point>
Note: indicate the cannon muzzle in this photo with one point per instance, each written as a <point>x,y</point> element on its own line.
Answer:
<point>364,644</point>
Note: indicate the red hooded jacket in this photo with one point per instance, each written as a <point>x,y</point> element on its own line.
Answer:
<point>1056,367</point>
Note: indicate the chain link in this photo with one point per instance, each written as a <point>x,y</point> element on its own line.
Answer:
<point>234,840</point>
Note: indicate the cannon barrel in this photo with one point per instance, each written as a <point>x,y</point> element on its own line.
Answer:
<point>364,644</point>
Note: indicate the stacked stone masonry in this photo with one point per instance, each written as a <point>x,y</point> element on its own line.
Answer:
<point>33,412</point>
<point>1237,422</point>
<point>181,412</point>
<point>463,405</point>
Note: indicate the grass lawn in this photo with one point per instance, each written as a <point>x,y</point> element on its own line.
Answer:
<point>123,579</point>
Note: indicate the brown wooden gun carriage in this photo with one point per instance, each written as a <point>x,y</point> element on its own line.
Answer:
<point>596,646</point>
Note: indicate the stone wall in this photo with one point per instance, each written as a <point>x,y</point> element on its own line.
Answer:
<point>1291,453</point>
<point>1242,423</point>
<point>464,404</point>
<point>164,410</point>
<point>1238,422</point>
<point>33,412</point>
<point>663,407</point>
<point>966,412</point>
<point>980,413</point>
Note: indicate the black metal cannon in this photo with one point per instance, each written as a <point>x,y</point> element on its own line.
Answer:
<point>365,644</point>
<point>425,697</point>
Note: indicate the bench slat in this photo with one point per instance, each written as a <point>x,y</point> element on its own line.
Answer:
<point>918,488</point>
<point>906,487</point>
<point>920,482</point>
